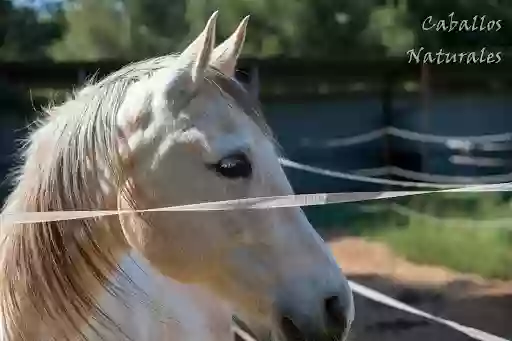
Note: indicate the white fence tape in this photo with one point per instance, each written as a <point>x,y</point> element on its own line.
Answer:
<point>479,161</point>
<point>421,137</point>
<point>426,180</point>
<point>296,200</point>
<point>248,203</point>
<point>345,141</point>
<point>242,333</point>
<point>505,223</point>
<point>436,178</point>
<point>373,172</point>
<point>452,142</point>
<point>362,178</point>
<point>428,177</point>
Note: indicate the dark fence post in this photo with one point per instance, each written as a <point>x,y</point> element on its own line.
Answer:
<point>81,77</point>
<point>387,117</point>
<point>254,83</point>
<point>425,108</point>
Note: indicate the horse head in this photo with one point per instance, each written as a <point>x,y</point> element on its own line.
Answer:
<point>191,134</point>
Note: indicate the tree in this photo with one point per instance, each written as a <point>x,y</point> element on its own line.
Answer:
<point>130,29</point>
<point>335,29</point>
<point>389,27</point>
<point>274,25</point>
<point>95,29</point>
<point>24,33</point>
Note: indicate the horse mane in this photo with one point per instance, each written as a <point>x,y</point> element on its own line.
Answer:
<point>48,268</point>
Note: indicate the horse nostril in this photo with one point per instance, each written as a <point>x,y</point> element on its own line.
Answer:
<point>335,314</point>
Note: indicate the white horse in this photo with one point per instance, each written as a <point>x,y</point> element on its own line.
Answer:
<point>167,131</point>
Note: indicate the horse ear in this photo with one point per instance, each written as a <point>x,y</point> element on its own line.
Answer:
<point>226,54</point>
<point>199,51</point>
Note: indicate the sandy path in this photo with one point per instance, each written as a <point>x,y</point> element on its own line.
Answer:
<point>467,299</point>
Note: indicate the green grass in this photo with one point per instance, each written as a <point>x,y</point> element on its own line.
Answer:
<point>487,252</point>
<point>461,244</point>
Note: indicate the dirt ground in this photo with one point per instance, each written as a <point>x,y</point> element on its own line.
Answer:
<point>466,299</point>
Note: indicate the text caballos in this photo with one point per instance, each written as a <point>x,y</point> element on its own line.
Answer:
<point>479,23</point>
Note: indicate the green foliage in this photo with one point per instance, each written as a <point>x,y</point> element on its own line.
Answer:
<point>24,34</point>
<point>274,24</point>
<point>462,243</point>
<point>335,29</point>
<point>96,29</point>
<point>482,251</point>
<point>131,29</point>
<point>388,26</point>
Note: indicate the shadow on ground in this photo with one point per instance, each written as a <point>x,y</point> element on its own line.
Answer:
<point>375,321</point>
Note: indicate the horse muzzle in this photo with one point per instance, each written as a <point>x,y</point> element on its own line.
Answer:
<point>333,326</point>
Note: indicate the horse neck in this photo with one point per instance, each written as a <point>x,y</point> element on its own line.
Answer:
<point>53,271</point>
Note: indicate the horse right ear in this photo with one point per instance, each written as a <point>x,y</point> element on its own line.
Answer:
<point>225,56</point>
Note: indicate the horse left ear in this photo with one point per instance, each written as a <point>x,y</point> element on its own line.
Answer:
<point>225,56</point>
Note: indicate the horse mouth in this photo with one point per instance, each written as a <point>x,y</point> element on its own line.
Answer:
<point>288,332</point>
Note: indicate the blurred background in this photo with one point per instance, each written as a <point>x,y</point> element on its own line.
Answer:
<point>340,90</point>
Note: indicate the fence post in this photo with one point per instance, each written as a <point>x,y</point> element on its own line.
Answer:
<point>81,77</point>
<point>425,107</point>
<point>254,82</point>
<point>387,113</point>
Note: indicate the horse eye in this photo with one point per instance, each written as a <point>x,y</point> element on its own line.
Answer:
<point>234,166</point>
